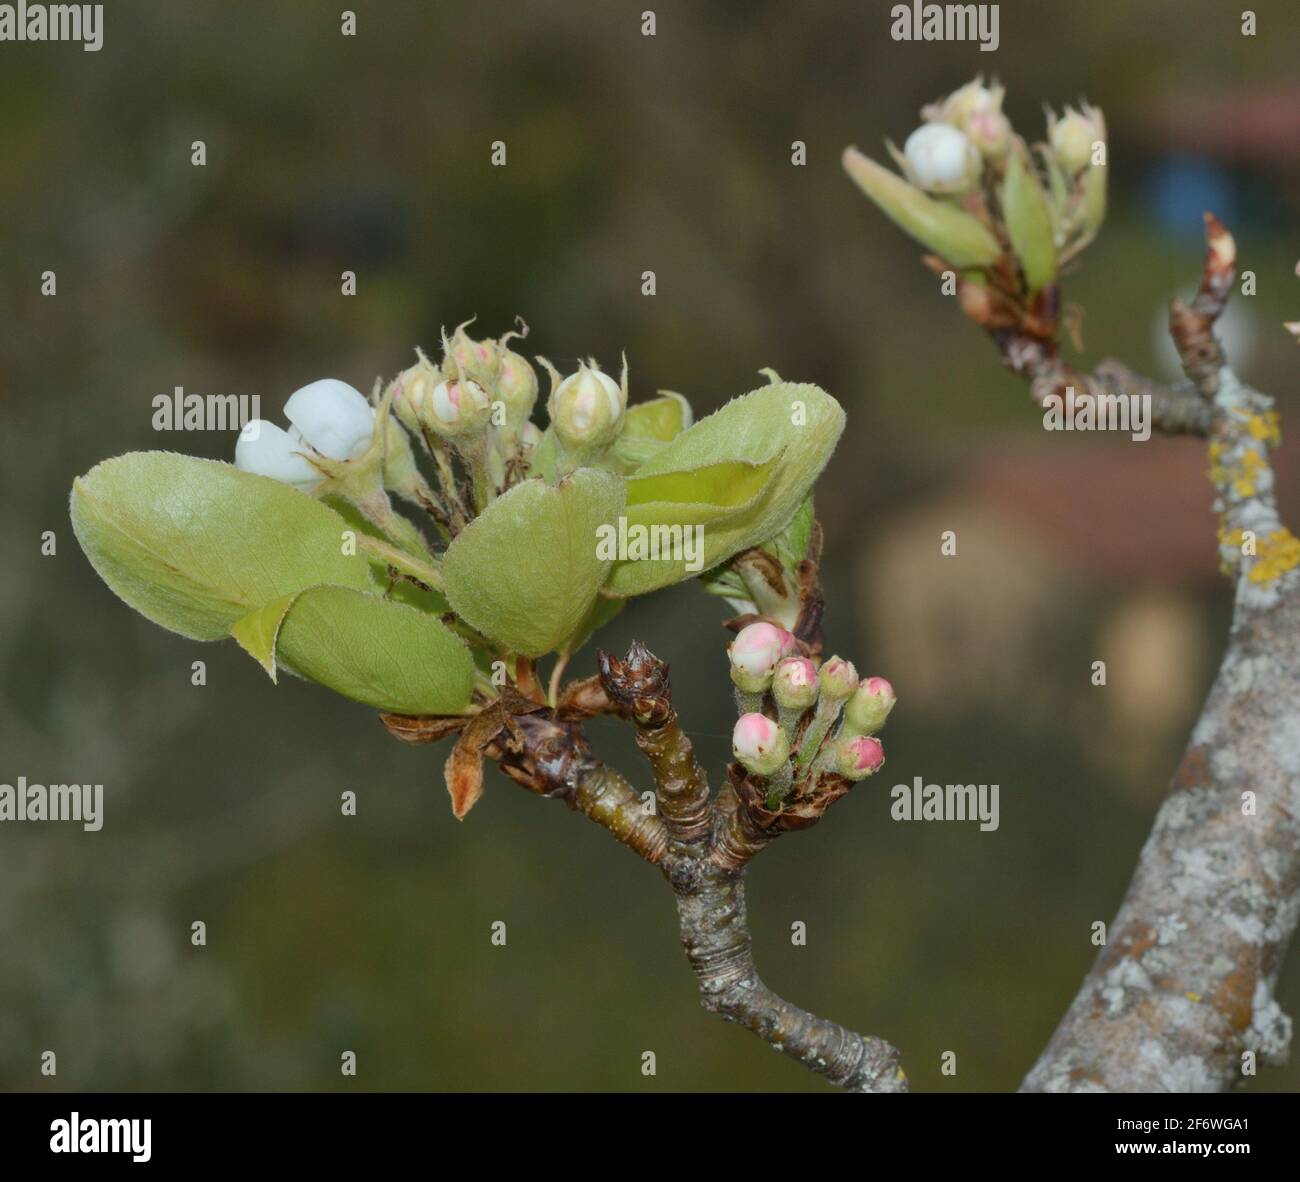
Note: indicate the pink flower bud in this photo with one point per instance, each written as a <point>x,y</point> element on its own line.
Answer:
<point>754,655</point>
<point>457,409</point>
<point>759,743</point>
<point>990,132</point>
<point>465,357</point>
<point>838,679</point>
<point>870,705</point>
<point>794,684</point>
<point>858,757</point>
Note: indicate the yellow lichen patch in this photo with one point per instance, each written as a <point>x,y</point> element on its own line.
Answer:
<point>1266,428</point>
<point>1277,554</point>
<point>1248,468</point>
<point>1192,996</point>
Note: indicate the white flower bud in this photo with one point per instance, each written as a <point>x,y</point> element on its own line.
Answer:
<point>587,409</point>
<point>267,450</point>
<point>333,417</point>
<point>457,409</point>
<point>941,159</point>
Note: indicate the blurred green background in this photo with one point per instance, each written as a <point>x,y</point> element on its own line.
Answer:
<point>625,153</point>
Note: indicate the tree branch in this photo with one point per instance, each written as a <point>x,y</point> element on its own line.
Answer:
<point>710,892</point>
<point>552,758</point>
<point>718,946</point>
<point>1181,997</point>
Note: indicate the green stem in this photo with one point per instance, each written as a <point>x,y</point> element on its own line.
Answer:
<point>823,720</point>
<point>400,560</point>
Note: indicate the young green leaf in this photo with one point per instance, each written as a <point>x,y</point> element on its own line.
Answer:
<point>382,654</point>
<point>526,571</point>
<point>741,473</point>
<point>258,632</point>
<point>195,545</point>
<point>957,236</point>
<point>647,426</point>
<point>1029,221</point>
<point>662,418</point>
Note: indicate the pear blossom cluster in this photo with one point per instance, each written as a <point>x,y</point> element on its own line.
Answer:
<point>470,412</point>
<point>800,720</point>
<point>1003,214</point>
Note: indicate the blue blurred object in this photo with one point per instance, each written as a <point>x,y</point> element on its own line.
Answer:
<point>1179,187</point>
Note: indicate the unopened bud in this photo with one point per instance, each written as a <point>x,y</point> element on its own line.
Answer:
<point>586,409</point>
<point>457,410</point>
<point>838,679</point>
<point>754,655</point>
<point>759,744</point>
<point>517,388</point>
<point>463,356</point>
<point>530,435</point>
<point>976,109</point>
<point>414,393</point>
<point>858,757</point>
<point>1073,135</point>
<point>941,159</point>
<point>990,132</point>
<point>866,711</point>
<point>964,102</point>
<point>794,684</point>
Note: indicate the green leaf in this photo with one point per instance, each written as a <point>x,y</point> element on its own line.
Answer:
<point>602,611</point>
<point>1094,201</point>
<point>195,545</point>
<point>372,650</point>
<point>793,541</point>
<point>1029,222</point>
<point>740,474</point>
<point>727,484</point>
<point>960,238</point>
<point>526,571</point>
<point>662,418</point>
<point>258,631</point>
<point>646,428</point>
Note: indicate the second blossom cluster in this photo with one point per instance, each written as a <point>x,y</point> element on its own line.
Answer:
<point>799,720</point>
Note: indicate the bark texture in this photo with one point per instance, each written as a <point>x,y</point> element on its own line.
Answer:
<point>715,934</point>
<point>1181,998</point>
